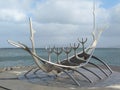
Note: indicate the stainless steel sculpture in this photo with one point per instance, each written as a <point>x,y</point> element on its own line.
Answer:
<point>70,63</point>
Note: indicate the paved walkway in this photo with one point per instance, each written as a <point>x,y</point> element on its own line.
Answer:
<point>10,81</point>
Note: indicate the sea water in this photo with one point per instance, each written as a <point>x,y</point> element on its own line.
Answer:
<point>19,57</point>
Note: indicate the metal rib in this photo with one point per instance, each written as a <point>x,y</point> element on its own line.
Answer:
<point>36,71</point>
<point>103,63</point>
<point>99,68</point>
<point>92,72</point>
<point>82,75</point>
<point>28,73</point>
<point>71,77</point>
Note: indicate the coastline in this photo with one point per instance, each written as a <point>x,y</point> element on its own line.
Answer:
<point>9,79</point>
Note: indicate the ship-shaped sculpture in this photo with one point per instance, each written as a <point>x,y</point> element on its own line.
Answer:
<point>70,63</point>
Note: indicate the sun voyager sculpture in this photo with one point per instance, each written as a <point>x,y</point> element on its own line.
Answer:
<point>71,65</point>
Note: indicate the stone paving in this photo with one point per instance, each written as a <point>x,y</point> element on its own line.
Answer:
<point>14,80</point>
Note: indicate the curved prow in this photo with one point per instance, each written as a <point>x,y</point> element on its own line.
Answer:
<point>20,45</point>
<point>38,63</point>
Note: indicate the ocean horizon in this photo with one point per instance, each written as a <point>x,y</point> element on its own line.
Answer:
<point>10,57</point>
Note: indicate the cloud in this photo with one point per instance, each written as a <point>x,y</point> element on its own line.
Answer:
<point>66,20</point>
<point>56,21</point>
<point>64,11</point>
<point>11,15</point>
<point>114,22</point>
<point>16,10</point>
<point>111,36</point>
<point>115,14</point>
<point>69,11</point>
<point>55,33</point>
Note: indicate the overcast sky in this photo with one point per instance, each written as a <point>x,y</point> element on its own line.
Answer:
<point>59,22</point>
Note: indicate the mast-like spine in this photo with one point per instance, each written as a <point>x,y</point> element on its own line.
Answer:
<point>32,36</point>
